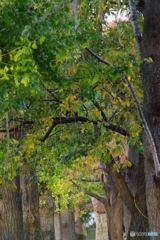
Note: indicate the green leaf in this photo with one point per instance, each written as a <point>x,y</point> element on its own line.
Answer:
<point>6,69</point>
<point>42,39</point>
<point>25,81</point>
<point>34,45</point>
<point>17,82</point>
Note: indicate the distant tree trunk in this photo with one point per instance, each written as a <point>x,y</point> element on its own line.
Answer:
<point>114,209</point>
<point>47,216</point>
<point>60,225</point>
<point>30,201</point>
<point>71,224</point>
<point>78,223</point>
<point>11,216</point>
<point>68,224</point>
<point>101,220</point>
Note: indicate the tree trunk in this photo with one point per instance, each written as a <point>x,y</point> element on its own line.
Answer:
<point>78,223</point>
<point>47,216</point>
<point>126,219</point>
<point>11,216</point>
<point>114,209</point>
<point>150,73</point>
<point>101,220</point>
<point>71,224</point>
<point>65,226</point>
<point>135,181</point>
<point>60,225</point>
<point>152,193</point>
<point>30,201</point>
<point>135,178</point>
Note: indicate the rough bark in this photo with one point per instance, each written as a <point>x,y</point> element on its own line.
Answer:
<point>152,192</point>
<point>133,186</point>
<point>126,219</point>
<point>47,216</point>
<point>101,220</point>
<point>30,201</point>
<point>58,227</point>
<point>135,179</point>
<point>78,224</point>
<point>150,73</point>
<point>71,224</point>
<point>11,216</point>
<point>113,208</point>
<point>101,226</point>
<point>68,224</point>
<point>122,187</point>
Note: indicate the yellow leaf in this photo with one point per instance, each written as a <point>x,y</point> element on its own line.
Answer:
<point>129,77</point>
<point>129,164</point>
<point>31,146</point>
<point>128,104</point>
<point>24,147</point>
<point>82,130</point>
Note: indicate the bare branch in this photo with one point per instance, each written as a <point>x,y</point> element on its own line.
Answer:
<point>135,25</point>
<point>98,58</point>
<point>146,128</point>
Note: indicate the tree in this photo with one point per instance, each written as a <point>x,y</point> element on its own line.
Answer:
<point>148,48</point>
<point>63,77</point>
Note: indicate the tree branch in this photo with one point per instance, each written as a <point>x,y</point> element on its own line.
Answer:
<point>75,7</point>
<point>64,120</point>
<point>111,126</point>
<point>17,128</point>
<point>100,109</point>
<point>98,58</point>
<point>135,25</point>
<point>52,94</point>
<point>146,128</point>
<point>48,132</point>
<point>91,180</point>
<point>91,194</point>
<point>21,120</point>
<point>11,129</point>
